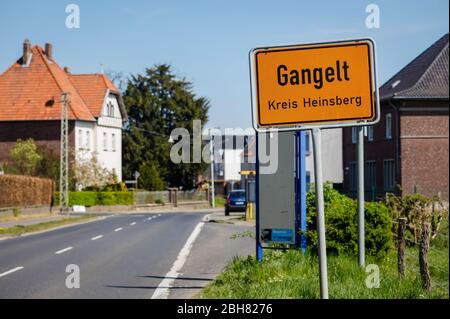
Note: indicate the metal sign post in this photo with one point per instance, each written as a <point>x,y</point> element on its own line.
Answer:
<point>361,241</point>
<point>317,142</point>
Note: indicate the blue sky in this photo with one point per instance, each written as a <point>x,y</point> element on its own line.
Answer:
<point>208,41</point>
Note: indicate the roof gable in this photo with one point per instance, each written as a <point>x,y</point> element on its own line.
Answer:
<point>424,77</point>
<point>33,92</point>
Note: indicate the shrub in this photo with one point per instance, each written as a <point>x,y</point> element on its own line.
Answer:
<point>159,201</point>
<point>22,191</point>
<point>341,222</point>
<point>90,198</point>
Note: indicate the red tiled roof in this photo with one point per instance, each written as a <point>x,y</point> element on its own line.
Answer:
<point>34,92</point>
<point>93,88</point>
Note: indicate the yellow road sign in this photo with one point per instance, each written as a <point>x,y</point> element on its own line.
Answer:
<point>325,84</point>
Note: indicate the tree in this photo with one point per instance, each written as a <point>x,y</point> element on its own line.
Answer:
<point>158,102</point>
<point>150,178</point>
<point>25,156</point>
<point>89,172</point>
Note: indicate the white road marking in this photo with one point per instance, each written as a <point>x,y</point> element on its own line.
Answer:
<point>159,215</point>
<point>133,223</point>
<point>10,271</point>
<point>150,218</point>
<point>118,229</point>
<point>63,250</point>
<point>97,237</point>
<point>162,292</point>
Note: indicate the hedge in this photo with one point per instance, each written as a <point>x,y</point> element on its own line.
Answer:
<point>341,222</point>
<point>89,198</point>
<point>23,191</point>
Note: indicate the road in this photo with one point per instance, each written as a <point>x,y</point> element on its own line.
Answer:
<point>121,256</point>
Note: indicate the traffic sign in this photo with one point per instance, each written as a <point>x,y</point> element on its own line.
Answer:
<point>314,85</point>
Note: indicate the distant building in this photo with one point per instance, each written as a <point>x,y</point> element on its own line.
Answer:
<point>331,157</point>
<point>228,150</point>
<point>409,146</point>
<point>30,107</point>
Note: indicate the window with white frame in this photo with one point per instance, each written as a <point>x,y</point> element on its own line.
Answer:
<point>105,141</point>
<point>388,126</point>
<point>354,134</point>
<point>88,140</point>
<point>352,176</point>
<point>113,142</point>
<point>388,175</point>
<point>370,133</point>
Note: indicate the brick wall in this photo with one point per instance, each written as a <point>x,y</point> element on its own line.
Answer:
<point>425,153</point>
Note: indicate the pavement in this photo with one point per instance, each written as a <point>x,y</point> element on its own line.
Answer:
<point>140,255</point>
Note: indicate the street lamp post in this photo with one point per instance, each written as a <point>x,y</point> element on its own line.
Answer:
<point>211,151</point>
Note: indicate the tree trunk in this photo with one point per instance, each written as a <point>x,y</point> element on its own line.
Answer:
<point>401,246</point>
<point>423,256</point>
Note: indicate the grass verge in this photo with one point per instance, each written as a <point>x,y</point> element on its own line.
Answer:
<point>22,229</point>
<point>293,275</point>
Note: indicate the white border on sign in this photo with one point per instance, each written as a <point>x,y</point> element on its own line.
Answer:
<point>253,90</point>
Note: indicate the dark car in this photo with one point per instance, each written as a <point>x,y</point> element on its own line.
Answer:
<point>236,202</point>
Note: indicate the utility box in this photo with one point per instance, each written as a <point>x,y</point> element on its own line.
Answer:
<point>277,209</point>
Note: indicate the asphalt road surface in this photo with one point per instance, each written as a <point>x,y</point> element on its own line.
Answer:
<point>121,256</point>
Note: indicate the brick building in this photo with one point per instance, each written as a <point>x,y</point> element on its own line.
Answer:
<point>30,107</point>
<point>409,146</point>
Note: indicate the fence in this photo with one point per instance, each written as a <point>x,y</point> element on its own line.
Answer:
<point>158,197</point>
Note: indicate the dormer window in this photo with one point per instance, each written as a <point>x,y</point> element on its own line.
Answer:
<point>110,109</point>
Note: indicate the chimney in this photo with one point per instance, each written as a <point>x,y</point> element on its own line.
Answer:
<point>67,69</point>
<point>26,51</point>
<point>49,51</point>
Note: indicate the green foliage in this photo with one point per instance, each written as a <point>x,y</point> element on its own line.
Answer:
<point>417,209</point>
<point>292,274</point>
<point>48,166</point>
<point>342,228</point>
<point>92,198</point>
<point>159,201</point>
<point>150,178</point>
<point>158,102</point>
<point>25,156</point>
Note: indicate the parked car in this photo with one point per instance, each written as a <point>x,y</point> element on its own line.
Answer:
<point>236,202</point>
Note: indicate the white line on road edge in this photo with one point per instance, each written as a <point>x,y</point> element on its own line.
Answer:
<point>63,250</point>
<point>118,229</point>
<point>97,237</point>
<point>11,271</point>
<point>150,218</point>
<point>162,292</point>
<point>133,223</point>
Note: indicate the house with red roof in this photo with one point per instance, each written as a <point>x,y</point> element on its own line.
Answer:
<point>407,151</point>
<point>30,107</point>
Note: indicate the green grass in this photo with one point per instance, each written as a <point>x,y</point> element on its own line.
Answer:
<point>293,275</point>
<point>22,229</point>
<point>219,201</point>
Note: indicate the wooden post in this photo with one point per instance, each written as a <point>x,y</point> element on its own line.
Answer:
<point>401,246</point>
<point>423,256</point>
